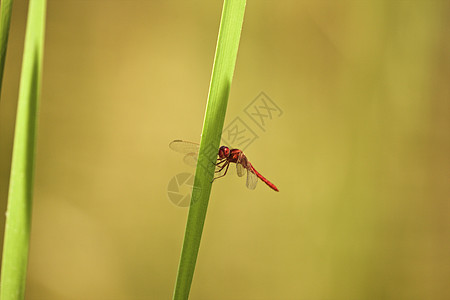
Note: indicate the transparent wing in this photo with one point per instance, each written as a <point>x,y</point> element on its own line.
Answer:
<point>240,170</point>
<point>191,159</point>
<point>252,180</point>
<point>188,148</point>
<point>184,146</point>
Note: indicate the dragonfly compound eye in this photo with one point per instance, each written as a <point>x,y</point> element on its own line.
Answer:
<point>224,152</point>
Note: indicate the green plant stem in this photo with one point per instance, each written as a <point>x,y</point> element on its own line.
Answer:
<point>18,215</point>
<point>5,20</point>
<point>223,69</point>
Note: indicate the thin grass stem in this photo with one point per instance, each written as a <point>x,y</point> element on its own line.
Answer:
<point>5,20</point>
<point>222,74</point>
<point>18,215</point>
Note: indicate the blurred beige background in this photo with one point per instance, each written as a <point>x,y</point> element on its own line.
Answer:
<point>360,154</point>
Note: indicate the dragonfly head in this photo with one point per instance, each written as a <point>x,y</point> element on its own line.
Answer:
<point>224,152</point>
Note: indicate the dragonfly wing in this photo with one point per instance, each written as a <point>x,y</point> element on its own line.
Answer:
<point>240,170</point>
<point>184,146</point>
<point>188,148</point>
<point>191,159</point>
<point>252,180</point>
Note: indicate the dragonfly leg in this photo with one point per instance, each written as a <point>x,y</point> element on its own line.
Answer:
<point>221,167</point>
<point>220,161</point>
<point>224,162</point>
<point>225,173</point>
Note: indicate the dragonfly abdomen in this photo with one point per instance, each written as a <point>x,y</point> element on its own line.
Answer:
<point>270,184</point>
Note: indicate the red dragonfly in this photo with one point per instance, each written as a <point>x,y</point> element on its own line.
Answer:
<point>226,156</point>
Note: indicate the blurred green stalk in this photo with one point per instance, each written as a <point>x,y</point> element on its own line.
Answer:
<point>222,75</point>
<point>18,215</point>
<point>5,20</point>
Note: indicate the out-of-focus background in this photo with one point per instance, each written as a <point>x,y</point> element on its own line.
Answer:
<point>359,150</point>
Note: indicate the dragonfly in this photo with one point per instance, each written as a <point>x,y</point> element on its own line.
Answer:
<point>226,157</point>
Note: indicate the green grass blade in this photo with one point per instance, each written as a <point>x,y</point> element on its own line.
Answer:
<point>5,20</point>
<point>223,69</point>
<point>18,216</point>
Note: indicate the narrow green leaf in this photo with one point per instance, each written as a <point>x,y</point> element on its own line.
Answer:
<point>5,20</point>
<point>18,215</point>
<point>223,69</point>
